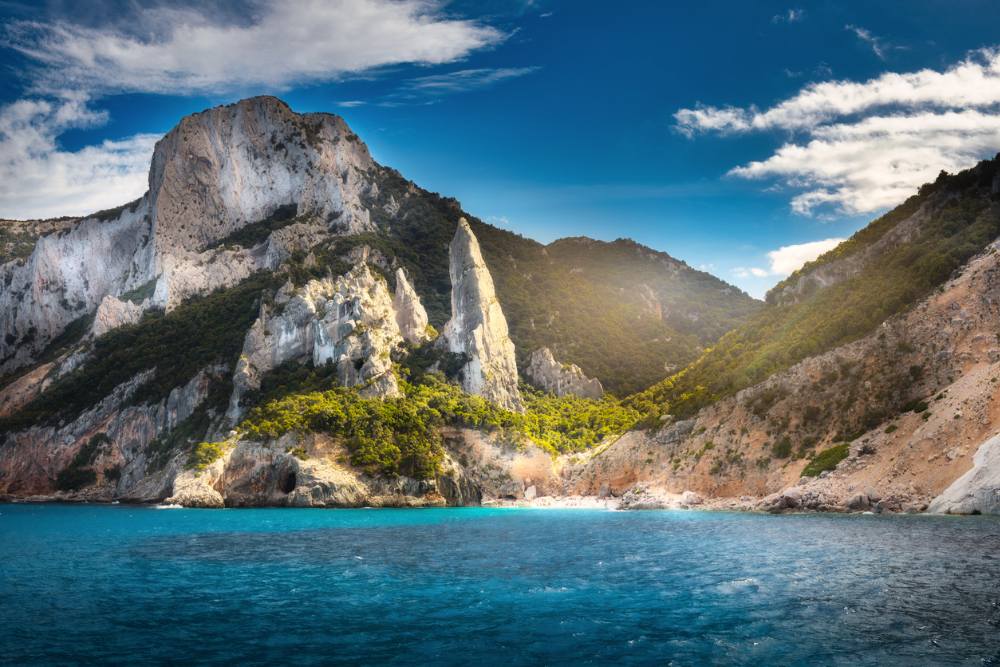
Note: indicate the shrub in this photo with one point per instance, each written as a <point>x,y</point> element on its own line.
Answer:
<point>828,459</point>
<point>401,435</point>
<point>204,454</point>
<point>782,449</point>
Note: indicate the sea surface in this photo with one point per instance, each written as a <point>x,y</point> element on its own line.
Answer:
<point>132,585</point>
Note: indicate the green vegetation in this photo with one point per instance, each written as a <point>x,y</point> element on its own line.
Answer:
<point>78,473</point>
<point>204,454</point>
<point>194,335</point>
<point>402,435</point>
<point>828,459</point>
<point>140,293</point>
<point>257,232</point>
<point>782,449</point>
<point>963,220</point>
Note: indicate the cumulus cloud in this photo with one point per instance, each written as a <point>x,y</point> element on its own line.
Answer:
<point>297,41</point>
<point>861,147</point>
<point>39,180</point>
<point>790,258</point>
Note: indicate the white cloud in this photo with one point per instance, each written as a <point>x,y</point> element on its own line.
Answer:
<point>877,162</point>
<point>877,45</point>
<point>183,51</point>
<point>39,180</point>
<point>862,147</point>
<point>748,271</point>
<point>296,41</point>
<point>790,258</point>
<point>790,16</point>
<point>466,79</point>
<point>350,104</point>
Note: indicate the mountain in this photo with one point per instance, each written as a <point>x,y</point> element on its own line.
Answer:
<point>272,259</point>
<point>252,186</point>
<point>869,381</point>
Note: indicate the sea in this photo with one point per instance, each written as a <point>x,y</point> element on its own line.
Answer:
<point>139,585</point>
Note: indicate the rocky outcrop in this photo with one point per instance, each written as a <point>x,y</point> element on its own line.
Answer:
<point>215,173</point>
<point>410,314</point>
<point>31,460</point>
<point>478,328</point>
<point>238,163</point>
<point>313,470</point>
<point>978,490</point>
<point>67,276</point>
<point>350,321</point>
<point>561,379</point>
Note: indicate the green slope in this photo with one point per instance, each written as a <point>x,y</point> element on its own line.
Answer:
<point>948,222</point>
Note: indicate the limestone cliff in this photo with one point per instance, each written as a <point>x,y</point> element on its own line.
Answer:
<point>561,379</point>
<point>410,314</point>
<point>215,173</point>
<point>350,321</point>
<point>478,328</point>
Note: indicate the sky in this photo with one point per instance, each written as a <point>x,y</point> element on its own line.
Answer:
<point>744,138</point>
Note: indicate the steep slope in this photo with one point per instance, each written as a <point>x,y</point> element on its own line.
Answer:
<point>886,422</point>
<point>882,270</point>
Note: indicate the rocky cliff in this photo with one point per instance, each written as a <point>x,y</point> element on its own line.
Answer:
<point>214,174</point>
<point>478,328</point>
<point>350,322</point>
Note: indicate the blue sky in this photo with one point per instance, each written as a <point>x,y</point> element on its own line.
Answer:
<point>741,137</point>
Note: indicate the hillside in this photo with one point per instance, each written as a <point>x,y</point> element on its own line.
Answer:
<point>882,270</point>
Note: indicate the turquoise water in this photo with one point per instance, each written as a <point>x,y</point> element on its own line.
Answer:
<point>137,585</point>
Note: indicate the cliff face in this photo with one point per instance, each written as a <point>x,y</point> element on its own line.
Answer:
<point>350,321</point>
<point>215,173</point>
<point>410,314</point>
<point>229,166</point>
<point>478,328</point>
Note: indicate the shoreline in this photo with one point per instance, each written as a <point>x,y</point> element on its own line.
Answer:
<point>609,504</point>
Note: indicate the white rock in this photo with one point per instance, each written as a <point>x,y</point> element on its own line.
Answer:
<point>410,314</point>
<point>978,490</point>
<point>349,321</point>
<point>477,327</point>
<point>561,379</point>
<point>114,313</point>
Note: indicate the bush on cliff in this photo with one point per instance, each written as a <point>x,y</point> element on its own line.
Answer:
<point>401,435</point>
<point>828,459</point>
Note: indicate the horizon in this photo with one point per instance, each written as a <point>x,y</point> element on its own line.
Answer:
<point>836,114</point>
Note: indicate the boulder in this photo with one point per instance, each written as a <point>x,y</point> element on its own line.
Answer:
<point>561,379</point>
